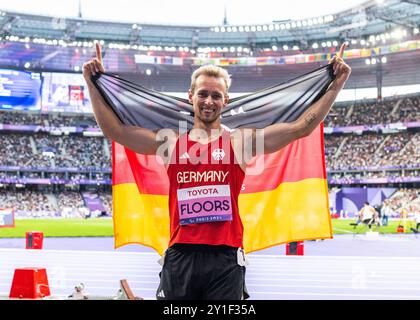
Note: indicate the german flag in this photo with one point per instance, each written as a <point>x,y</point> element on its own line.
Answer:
<point>286,201</point>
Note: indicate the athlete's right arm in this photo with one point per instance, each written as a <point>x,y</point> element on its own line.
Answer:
<point>138,139</point>
<point>361,214</point>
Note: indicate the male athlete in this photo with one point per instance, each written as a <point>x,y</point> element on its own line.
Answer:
<point>206,168</point>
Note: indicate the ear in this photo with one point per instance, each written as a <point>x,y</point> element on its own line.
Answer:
<point>226,99</point>
<point>190,95</point>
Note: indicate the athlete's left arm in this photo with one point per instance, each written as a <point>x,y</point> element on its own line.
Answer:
<point>279,135</point>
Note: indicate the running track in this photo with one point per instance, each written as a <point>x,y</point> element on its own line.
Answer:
<point>269,276</point>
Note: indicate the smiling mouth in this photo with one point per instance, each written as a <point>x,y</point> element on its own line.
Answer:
<point>208,110</point>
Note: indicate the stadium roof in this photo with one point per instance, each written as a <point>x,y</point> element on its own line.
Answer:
<point>180,12</point>
<point>360,22</point>
<point>45,43</point>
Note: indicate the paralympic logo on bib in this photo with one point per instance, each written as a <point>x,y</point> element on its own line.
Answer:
<point>204,204</point>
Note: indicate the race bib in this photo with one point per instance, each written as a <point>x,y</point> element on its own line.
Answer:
<point>204,204</point>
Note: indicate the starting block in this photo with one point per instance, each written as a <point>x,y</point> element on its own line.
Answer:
<point>125,292</point>
<point>30,283</point>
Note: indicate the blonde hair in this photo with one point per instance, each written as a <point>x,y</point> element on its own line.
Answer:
<point>211,71</point>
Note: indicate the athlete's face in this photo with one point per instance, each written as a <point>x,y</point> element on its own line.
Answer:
<point>208,98</point>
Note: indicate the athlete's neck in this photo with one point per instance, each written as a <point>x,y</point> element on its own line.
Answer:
<point>210,128</point>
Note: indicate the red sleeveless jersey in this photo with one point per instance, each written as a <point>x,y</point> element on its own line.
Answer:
<point>205,182</point>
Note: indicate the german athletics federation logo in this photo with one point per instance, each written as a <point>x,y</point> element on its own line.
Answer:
<point>218,154</point>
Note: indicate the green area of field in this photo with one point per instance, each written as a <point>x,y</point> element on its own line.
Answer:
<point>61,228</point>
<point>342,226</point>
<point>104,228</point>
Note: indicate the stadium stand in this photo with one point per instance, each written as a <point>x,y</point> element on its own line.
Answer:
<point>51,156</point>
<point>348,156</point>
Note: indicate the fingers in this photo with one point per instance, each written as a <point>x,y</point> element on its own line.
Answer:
<point>338,63</point>
<point>93,67</point>
<point>98,65</point>
<point>342,48</point>
<point>98,52</point>
<point>340,68</point>
<point>337,60</point>
<point>90,69</point>
<point>336,68</point>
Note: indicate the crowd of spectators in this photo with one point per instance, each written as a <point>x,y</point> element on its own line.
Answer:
<point>71,204</point>
<point>46,119</point>
<point>409,109</point>
<point>346,155</point>
<point>405,198</point>
<point>89,152</point>
<point>375,174</point>
<point>15,149</point>
<point>83,152</point>
<point>357,151</point>
<point>106,199</point>
<point>72,176</point>
<point>391,110</point>
<point>331,144</point>
<point>34,203</point>
<point>369,112</point>
<point>58,121</point>
<point>395,150</point>
<point>9,174</point>
<point>19,118</point>
<point>372,150</point>
<point>52,151</point>
<point>27,203</point>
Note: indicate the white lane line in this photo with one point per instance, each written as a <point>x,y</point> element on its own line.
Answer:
<point>66,272</point>
<point>309,275</point>
<point>325,258</point>
<point>283,269</point>
<point>89,289</point>
<point>318,261</point>
<point>81,267</point>
<point>55,280</point>
<point>69,254</point>
<point>251,277</point>
<point>368,280</point>
<point>303,268</point>
<point>290,270</point>
<point>51,269</point>
<point>352,287</point>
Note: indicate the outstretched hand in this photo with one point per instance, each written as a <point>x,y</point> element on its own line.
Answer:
<point>342,70</point>
<point>93,66</point>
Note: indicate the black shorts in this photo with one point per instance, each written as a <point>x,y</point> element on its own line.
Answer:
<point>201,272</point>
<point>367,221</point>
